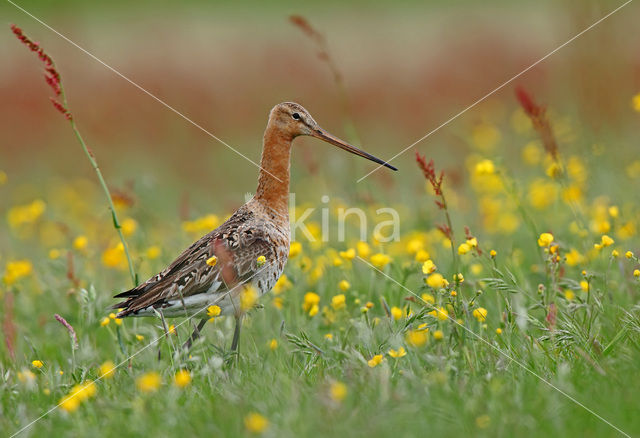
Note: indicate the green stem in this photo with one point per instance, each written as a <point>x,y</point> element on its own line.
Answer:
<point>451,237</point>
<point>105,189</point>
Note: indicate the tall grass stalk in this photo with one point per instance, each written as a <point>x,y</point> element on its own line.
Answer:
<point>54,81</point>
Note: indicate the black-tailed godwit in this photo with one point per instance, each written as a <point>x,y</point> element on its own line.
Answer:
<point>250,248</point>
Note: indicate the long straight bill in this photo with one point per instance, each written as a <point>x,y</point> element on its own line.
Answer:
<point>324,135</point>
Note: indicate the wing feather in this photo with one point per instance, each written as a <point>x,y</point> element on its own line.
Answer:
<point>236,244</point>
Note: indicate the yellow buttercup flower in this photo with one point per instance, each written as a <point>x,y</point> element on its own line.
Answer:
<point>441,313</point>
<point>294,249</point>
<point>282,284</point>
<point>349,254</point>
<point>396,313</point>
<point>213,311</point>
<point>261,260</point>
<point>464,248</point>
<point>338,302</point>
<point>428,298</point>
<point>480,314</point>
<point>25,214</point>
<point>256,423</point>
<point>375,361</point>
<point>201,224</point>
<point>115,257</point>
<point>153,252</point>
<point>573,257</point>
<point>485,167</point>
<point>338,391</point>
<point>16,270</point>
<point>37,363</point>
<point>363,249</point>
<point>400,352</point>
<point>422,256</point>
<point>569,294</point>
<point>273,344</point>
<point>182,378</point>
<point>107,370</point>
<point>428,267</point>
<point>606,240</point>
<point>212,261</point>
<point>344,285</point>
<point>436,281</point>
<point>417,338</point>
<point>77,395</point>
<point>545,239</point>
<point>248,298</point>
<point>438,335</point>
<point>80,243</point>
<point>311,303</point>
<point>380,260</point>
<point>128,226</point>
<point>414,245</point>
<point>149,382</point>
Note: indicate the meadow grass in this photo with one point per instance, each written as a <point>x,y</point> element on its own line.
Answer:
<point>537,296</point>
<point>310,371</point>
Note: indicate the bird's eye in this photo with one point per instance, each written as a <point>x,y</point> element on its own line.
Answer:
<point>296,116</point>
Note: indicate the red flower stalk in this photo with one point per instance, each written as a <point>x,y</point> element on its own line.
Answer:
<point>538,116</point>
<point>429,172</point>
<point>51,75</point>
<point>322,49</point>
<point>552,314</point>
<point>72,332</point>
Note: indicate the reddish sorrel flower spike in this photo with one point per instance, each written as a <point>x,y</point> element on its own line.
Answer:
<point>51,75</point>
<point>429,172</point>
<point>538,115</point>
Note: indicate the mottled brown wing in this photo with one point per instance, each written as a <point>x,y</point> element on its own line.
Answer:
<point>236,244</point>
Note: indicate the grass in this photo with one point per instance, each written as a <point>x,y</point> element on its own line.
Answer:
<point>455,385</point>
<point>561,309</point>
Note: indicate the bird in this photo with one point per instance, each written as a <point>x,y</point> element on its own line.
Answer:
<point>250,249</point>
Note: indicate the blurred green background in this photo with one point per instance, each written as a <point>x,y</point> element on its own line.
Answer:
<point>407,68</point>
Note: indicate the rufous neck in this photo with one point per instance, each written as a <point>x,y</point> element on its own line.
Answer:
<point>273,182</point>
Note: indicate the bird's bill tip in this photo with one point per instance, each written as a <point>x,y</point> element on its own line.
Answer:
<point>332,139</point>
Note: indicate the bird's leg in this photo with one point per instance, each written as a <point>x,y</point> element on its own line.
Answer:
<point>236,334</point>
<point>195,335</point>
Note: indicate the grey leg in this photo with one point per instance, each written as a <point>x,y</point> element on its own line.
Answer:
<point>236,334</point>
<point>195,335</point>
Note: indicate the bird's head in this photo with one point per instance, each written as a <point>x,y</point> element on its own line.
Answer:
<point>293,120</point>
